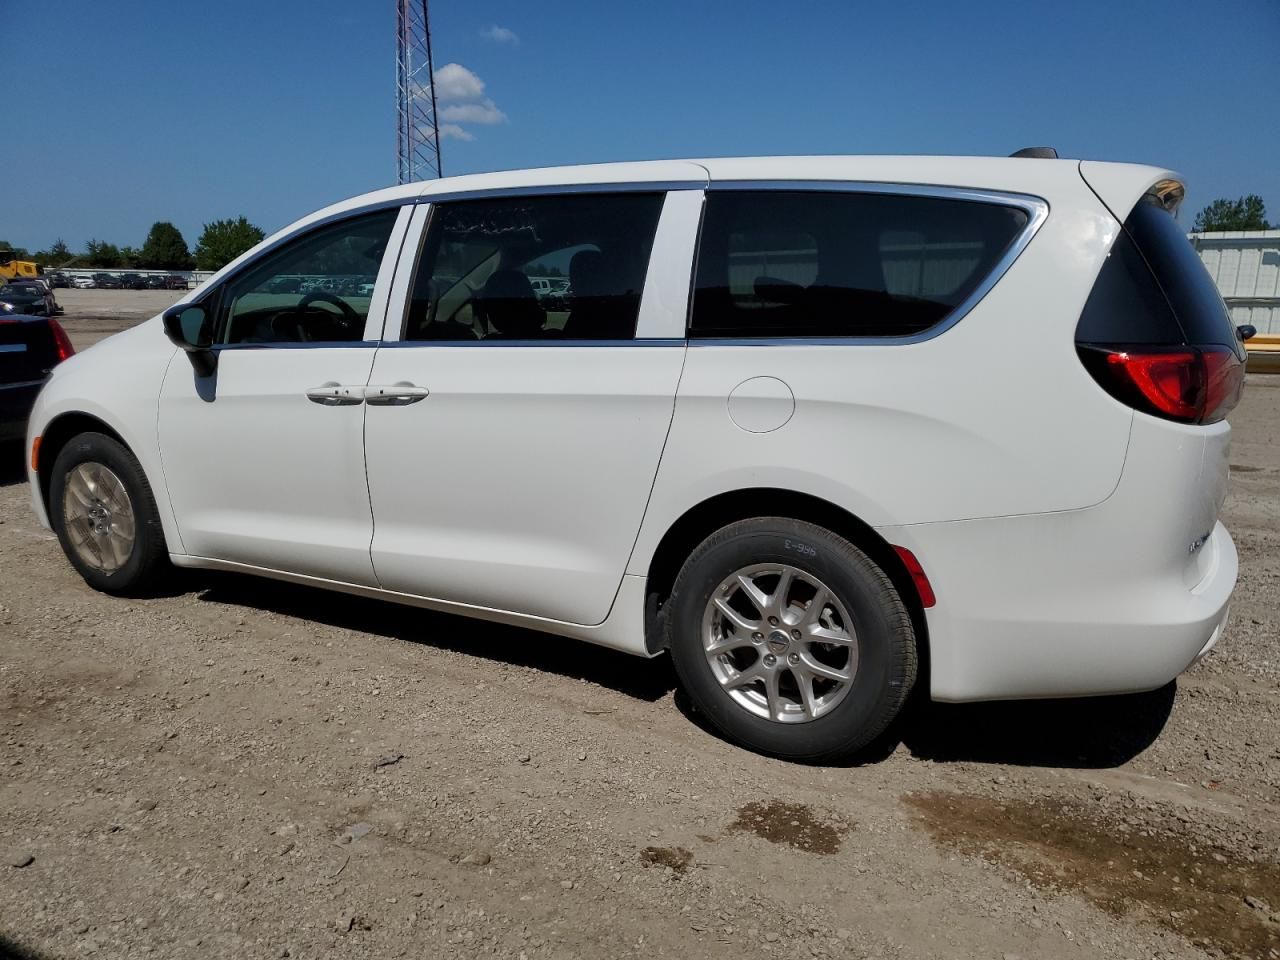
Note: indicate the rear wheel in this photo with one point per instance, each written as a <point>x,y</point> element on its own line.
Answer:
<point>790,639</point>
<point>104,514</point>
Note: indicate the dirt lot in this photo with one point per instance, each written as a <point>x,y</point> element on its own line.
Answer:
<point>249,769</point>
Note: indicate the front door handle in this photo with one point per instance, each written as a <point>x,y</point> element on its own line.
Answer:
<point>333,394</point>
<point>394,395</point>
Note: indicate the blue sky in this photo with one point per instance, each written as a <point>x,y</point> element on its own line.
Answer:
<point>137,110</point>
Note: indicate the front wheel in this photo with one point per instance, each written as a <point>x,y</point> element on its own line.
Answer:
<point>104,514</point>
<point>790,639</point>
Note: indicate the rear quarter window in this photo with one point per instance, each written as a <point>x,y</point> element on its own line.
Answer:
<point>1182,276</point>
<point>1153,289</point>
<point>842,264</point>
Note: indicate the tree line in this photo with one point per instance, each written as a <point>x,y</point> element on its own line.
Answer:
<point>164,249</point>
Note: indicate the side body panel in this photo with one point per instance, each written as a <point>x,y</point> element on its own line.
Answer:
<point>260,474</point>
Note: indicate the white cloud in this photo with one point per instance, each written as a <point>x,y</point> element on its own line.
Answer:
<point>451,131</point>
<point>500,35</point>
<point>455,82</point>
<point>460,94</point>
<point>485,112</point>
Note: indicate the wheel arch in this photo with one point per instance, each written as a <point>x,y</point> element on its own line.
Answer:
<point>704,519</point>
<point>57,433</point>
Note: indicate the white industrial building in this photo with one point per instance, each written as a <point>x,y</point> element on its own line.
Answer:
<point>1245,264</point>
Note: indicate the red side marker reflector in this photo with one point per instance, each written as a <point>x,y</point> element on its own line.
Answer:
<point>35,455</point>
<point>923,587</point>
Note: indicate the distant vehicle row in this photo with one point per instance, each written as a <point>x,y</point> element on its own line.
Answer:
<point>121,281</point>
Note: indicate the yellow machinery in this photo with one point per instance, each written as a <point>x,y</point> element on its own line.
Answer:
<point>13,269</point>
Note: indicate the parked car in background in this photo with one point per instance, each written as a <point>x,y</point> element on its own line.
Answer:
<point>797,429</point>
<point>107,281</point>
<point>133,281</point>
<point>30,347</point>
<point>58,280</point>
<point>285,285</point>
<point>20,297</point>
<point>176,282</point>
<point>155,281</point>
<point>83,283</point>
<point>43,284</point>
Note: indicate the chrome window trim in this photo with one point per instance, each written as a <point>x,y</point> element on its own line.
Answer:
<point>1036,208</point>
<point>299,345</point>
<point>406,344</point>
<point>549,342</point>
<point>562,189</point>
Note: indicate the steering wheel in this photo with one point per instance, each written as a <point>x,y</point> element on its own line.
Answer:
<point>348,314</point>
<point>348,320</point>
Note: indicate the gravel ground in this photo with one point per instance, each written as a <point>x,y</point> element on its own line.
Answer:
<point>250,769</point>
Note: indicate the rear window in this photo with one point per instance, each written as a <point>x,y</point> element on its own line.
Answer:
<point>842,264</point>
<point>1153,289</point>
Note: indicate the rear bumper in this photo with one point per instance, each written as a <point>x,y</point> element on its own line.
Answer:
<point>16,401</point>
<point>1120,597</point>
<point>1023,630</point>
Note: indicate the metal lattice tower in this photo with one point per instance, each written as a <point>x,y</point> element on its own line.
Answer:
<point>417,132</point>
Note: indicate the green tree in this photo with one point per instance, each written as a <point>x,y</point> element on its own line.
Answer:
<point>9,252</point>
<point>165,249</point>
<point>1247,213</point>
<point>55,256</point>
<point>224,240</point>
<point>130,257</point>
<point>98,253</point>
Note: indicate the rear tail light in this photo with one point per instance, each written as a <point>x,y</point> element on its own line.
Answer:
<point>1186,384</point>
<point>61,342</point>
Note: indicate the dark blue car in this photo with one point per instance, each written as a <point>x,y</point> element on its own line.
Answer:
<point>30,347</point>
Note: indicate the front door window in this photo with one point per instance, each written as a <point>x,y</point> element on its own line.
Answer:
<point>314,289</point>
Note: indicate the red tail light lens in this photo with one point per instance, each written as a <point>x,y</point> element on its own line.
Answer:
<point>61,342</point>
<point>1186,384</point>
<point>1224,382</point>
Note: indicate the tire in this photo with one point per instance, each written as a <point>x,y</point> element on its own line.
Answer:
<point>128,571</point>
<point>848,715</point>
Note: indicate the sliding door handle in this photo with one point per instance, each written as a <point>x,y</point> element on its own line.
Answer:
<point>394,395</point>
<point>334,394</point>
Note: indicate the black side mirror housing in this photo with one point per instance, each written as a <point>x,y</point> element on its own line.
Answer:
<point>1246,331</point>
<point>188,327</point>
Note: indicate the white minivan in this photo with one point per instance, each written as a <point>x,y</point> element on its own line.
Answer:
<point>824,428</point>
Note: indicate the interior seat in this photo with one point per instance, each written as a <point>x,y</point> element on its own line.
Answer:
<point>510,306</point>
<point>596,312</point>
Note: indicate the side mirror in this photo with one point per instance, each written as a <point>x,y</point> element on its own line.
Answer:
<point>187,326</point>
<point>1246,331</point>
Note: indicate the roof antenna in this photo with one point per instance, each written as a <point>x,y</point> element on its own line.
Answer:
<point>1036,153</point>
